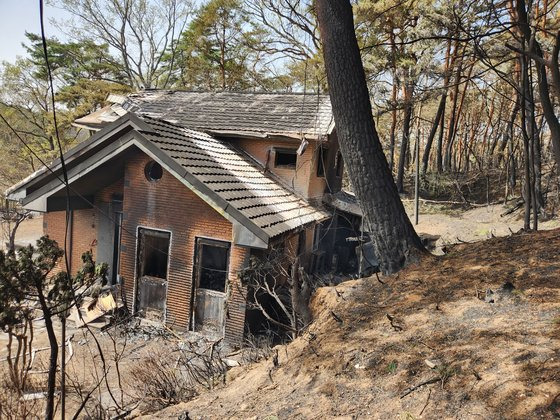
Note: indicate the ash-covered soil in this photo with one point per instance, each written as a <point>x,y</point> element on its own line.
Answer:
<point>472,334</point>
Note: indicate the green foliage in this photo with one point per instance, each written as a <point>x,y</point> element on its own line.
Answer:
<point>20,275</point>
<point>73,61</point>
<point>220,50</point>
<point>85,71</point>
<point>28,273</point>
<point>84,75</point>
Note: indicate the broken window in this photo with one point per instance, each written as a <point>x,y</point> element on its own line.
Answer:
<point>285,158</point>
<point>154,253</point>
<point>212,261</point>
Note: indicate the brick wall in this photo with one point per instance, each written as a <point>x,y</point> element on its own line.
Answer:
<point>169,205</point>
<point>83,236</point>
<point>303,179</point>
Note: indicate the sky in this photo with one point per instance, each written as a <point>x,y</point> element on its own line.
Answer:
<point>19,16</point>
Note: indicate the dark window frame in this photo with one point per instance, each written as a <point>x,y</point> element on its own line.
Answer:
<point>117,207</point>
<point>200,243</point>
<point>143,232</point>
<point>280,151</point>
<point>153,171</point>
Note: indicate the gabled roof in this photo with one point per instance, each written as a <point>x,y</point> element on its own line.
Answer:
<point>226,178</point>
<point>232,176</point>
<point>234,113</point>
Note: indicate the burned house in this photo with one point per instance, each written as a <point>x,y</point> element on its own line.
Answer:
<point>176,190</point>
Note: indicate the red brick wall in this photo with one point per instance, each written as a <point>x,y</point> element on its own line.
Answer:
<point>304,180</point>
<point>83,234</point>
<point>169,205</point>
<point>84,230</point>
<point>106,194</point>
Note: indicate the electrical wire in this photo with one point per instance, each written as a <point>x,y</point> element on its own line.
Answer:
<point>57,134</point>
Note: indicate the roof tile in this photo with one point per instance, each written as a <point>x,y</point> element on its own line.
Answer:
<point>234,177</point>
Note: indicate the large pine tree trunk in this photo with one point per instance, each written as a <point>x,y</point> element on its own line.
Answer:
<point>544,90</point>
<point>394,238</point>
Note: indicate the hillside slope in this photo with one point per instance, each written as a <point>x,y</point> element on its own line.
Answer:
<point>472,334</point>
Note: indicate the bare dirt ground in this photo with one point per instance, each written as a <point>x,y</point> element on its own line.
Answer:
<point>476,224</point>
<point>472,334</point>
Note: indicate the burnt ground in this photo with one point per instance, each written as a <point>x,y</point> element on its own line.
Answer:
<point>472,334</point>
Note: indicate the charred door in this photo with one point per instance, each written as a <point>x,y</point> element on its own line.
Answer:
<point>151,281</point>
<point>210,282</point>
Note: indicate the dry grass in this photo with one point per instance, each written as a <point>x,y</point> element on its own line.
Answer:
<point>490,360</point>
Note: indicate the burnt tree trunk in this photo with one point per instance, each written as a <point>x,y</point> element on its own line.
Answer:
<point>394,239</point>
<point>405,136</point>
<point>533,46</point>
<point>453,115</point>
<point>440,114</point>
<point>393,103</point>
<point>508,134</point>
<point>439,149</point>
<point>527,129</point>
<point>53,357</point>
<point>437,121</point>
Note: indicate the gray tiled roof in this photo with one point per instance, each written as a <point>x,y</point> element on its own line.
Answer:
<point>232,175</point>
<point>230,112</point>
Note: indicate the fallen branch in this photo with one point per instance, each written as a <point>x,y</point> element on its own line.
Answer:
<point>336,317</point>
<point>420,385</point>
<point>427,401</point>
<point>395,326</point>
<point>517,206</point>
<point>456,203</point>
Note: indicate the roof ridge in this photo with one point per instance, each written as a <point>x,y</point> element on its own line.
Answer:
<point>236,92</point>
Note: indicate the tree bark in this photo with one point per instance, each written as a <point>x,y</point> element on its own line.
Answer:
<point>393,103</point>
<point>544,91</point>
<point>53,357</point>
<point>409,88</point>
<point>437,121</point>
<point>394,239</point>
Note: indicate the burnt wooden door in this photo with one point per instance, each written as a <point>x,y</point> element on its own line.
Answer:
<point>151,280</point>
<point>210,285</point>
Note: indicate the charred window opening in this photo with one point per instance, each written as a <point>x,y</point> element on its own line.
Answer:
<point>154,253</point>
<point>321,156</point>
<point>212,262</point>
<point>285,158</point>
<point>339,164</point>
<point>153,171</point>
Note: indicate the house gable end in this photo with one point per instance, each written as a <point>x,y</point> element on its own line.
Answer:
<point>246,233</point>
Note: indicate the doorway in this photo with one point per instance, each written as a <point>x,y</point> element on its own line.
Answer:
<point>152,268</point>
<point>210,283</point>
